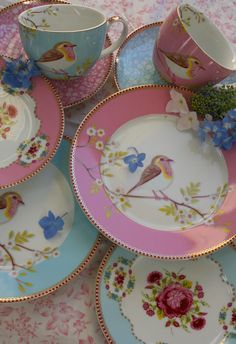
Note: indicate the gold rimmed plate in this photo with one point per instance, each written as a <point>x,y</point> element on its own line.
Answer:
<point>141,300</point>
<point>31,129</point>
<point>133,63</point>
<point>46,240</point>
<point>148,186</point>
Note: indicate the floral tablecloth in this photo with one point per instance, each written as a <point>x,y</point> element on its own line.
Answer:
<point>68,315</point>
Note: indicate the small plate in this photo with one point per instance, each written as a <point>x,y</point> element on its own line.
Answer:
<point>148,186</point>
<point>140,300</point>
<point>133,64</point>
<point>45,237</point>
<point>31,129</point>
<point>71,92</point>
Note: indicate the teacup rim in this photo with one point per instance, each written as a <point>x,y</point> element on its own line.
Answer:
<point>212,23</point>
<point>20,16</point>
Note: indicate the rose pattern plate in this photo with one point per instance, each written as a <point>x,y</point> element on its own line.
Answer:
<point>176,302</point>
<point>138,171</point>
<point>71,92</point>
<point>31,129</point>
<point>45,237</point>
<point>133,63</point>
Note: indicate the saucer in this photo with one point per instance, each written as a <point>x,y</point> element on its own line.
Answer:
<point>140,300</point>
<point>48,240</point>
<point>148,186</point>
<point>71,92</point>
<point>133,64</point>
<point>31,129</point>
<point>75,92</point>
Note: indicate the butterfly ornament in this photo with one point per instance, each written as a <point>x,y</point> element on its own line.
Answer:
<point>187,119</point>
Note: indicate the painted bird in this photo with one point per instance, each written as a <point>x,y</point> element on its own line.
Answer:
<point>160,165</point>
<point>185,67</point>
<point>9,203</point>
<point>60,57</point>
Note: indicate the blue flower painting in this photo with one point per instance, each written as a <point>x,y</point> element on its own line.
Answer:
<point>51,224</point>
<point>134,161</point>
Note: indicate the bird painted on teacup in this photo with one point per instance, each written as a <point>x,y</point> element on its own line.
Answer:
<point>60,57</point>
<point>9,203</point>
<point>187,119</point>
<point>160,167</point>
<point>185,67</point>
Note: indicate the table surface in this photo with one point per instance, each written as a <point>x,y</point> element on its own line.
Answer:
<point>68,316</point>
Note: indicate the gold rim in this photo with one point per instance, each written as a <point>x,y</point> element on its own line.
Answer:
<point>128,38</point>
<point>233,245</point>
<point>65,281</point>
<point>111,56</point>
<point>83,205</point>
<point>68,138</point>
<point>186,28</point>
<point>98,307</point>
<point>56,146</point>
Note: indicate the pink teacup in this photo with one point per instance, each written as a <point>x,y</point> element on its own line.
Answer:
<point>191,51</point>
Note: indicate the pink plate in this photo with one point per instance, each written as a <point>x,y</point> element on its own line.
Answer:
<point>183,208</point>
<point>71,92</point>
<point>31,129</point>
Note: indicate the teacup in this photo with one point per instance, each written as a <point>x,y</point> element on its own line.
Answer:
<point>66,40</point>
<point>191,51</point>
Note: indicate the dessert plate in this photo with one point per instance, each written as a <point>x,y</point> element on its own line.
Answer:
<point>31,129</point>
<point>71,92</point>
<point>140,300</point>
<point>133,64</point>
<point>148,186</point>
<point>45,237</point>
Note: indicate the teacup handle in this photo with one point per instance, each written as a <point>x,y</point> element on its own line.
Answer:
<point>115,45</point>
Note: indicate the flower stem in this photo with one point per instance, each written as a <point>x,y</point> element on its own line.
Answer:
<point>64,215</point>
<point>135,149</point>
<point>165,198</point>
<point>87,169</point>
<point>9,255</point>
<point>86,144</point>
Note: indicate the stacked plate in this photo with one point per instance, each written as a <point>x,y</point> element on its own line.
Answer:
<point>164,198</point>
<point>45,237</point>
<point>149,187</point>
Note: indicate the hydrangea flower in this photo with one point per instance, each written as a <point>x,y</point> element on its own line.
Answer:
<point>18,73</point>
<point>222,133</point>
<point>51,224</point>
<point>134,161</point>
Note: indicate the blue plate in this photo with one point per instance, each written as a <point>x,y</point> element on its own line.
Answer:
<point>134,66</point>
<point>116,281</point>
<point>45,237</point>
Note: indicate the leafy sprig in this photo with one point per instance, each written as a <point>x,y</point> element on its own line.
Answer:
<point>215,101</point>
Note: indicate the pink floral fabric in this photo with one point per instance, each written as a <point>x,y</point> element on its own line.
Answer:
<point>68,315</point>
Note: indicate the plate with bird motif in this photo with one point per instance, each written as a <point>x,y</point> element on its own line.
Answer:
<point>146,184</point>
<point>45,237</point>
<point>71,92</point>
<point>143,300</point>
<point>31,126</point>
<point>133,63</point>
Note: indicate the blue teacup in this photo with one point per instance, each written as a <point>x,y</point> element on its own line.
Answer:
<point>66,40</point>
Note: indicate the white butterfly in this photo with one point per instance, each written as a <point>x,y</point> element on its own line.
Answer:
<point>187,119</point>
